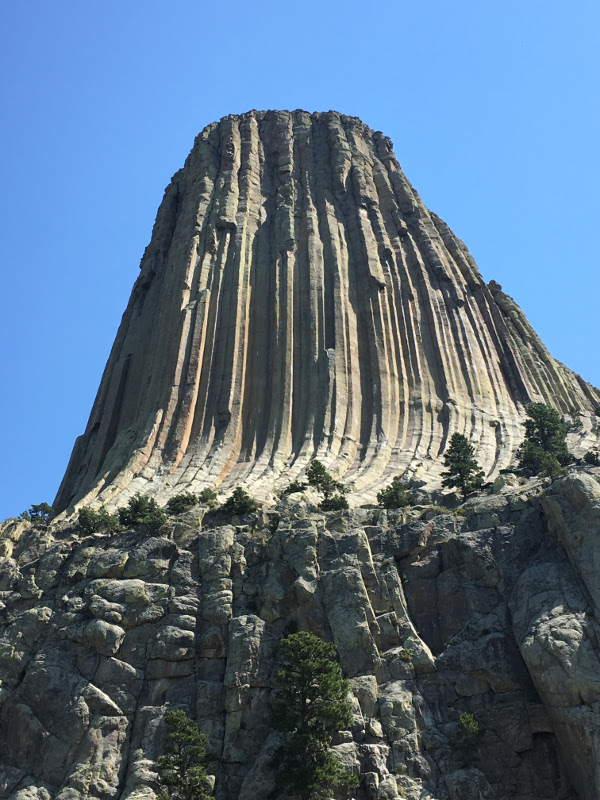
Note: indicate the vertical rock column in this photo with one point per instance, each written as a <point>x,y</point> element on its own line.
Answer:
<point>297,300</point>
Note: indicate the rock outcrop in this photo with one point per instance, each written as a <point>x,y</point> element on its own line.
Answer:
<point>297,300</point>
<point>433,614</point>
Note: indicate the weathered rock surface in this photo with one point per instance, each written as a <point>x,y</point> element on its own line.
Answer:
<point>297,300</point>
<point>495,615</point>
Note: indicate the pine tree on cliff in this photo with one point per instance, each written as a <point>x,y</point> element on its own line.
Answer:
<point>310,707</point>
<point>333,491</point>
<point>544,450</point>
<point>462,470</point>
<point>182,767</point>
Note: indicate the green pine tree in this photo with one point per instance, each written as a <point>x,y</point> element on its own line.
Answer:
<point>40,513</point>
<point>143,512</point>
<point>333,491</point>
<point>294,486</point>
<point>310,707</point>
<point>462,470</point>
<point>544,450</point>
<point>182,502</point>
<point>100,521</point>
<point>208,497</point>
<point>240,502</point>
<point>396,495</point>
<point>592,458</point>
<point>182,767</point>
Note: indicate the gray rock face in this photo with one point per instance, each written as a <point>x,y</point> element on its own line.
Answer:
<point>297,300</point>
<point>432,618</point>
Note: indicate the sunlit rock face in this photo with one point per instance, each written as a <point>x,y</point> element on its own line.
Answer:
<point>297,301</point>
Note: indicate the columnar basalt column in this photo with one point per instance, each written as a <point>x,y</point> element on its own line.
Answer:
<point>297,301</point>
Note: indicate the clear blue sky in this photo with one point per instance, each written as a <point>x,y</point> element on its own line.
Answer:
<point>493,108</point>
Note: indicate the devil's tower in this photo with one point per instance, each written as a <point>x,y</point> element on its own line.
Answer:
<point>298,300</point>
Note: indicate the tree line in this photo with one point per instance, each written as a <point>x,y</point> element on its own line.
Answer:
<point>543,452</point>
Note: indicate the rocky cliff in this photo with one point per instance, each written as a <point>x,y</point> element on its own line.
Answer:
<point>298,300</point>
<point>434,614</point>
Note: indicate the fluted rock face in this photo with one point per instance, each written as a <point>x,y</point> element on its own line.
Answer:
<point>298,300</point>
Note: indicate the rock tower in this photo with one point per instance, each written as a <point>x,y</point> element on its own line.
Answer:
<point>297,301</point>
